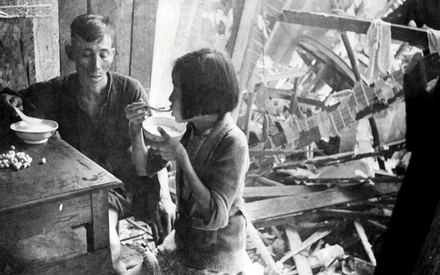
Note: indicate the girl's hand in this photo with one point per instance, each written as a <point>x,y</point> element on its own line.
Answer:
<point>136,113</point>
<point>170,148</point>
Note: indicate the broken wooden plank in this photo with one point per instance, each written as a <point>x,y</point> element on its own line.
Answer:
<point>301,262</point>
<point>261,248</point>
<point>291,73</point>
<point>268,182</point>
<point>143,34</point>
<point>247,24</point>
<point>261,153</point>
<point>348,214</point>
<point>341,181</point>
<point>414,36</point>
<point>287,95</point>
<point>310,240</point>
<point>367,246</point>
<point>335,159</point>
<point>278,191</point>
<point>276,210</point>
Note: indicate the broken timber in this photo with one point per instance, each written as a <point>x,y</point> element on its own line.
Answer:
<point>281,210</point>
<point>414,36</point>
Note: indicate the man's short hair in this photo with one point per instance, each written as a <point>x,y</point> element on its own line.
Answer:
<point>208,82</point>
<point>91,27</point>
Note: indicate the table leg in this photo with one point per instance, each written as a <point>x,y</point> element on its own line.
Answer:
<point>98,231</point>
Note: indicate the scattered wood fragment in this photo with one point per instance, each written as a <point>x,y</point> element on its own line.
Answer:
<point>311,240</point>
<point>262,153</point>
<point>138,226</point>
<point>268,212</point>
<point>414,36</point>
<point>335,159</point>
<point>301,261</point>
<point>267,182</point>
<point>348,214</point>
<point>367,246</point>
<point>278,191</point>
<point>339,181</point>
<point>265,255</point>
<point>377,224</point>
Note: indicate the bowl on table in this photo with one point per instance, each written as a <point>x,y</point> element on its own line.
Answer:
<point>168,124</point>
<point>35,133</point>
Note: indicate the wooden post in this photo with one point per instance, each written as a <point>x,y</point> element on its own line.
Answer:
<point>144,28</point>
<point>29,48</point>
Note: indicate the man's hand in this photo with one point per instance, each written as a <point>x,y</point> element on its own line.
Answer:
<point>136,114</point>
<point>162,217</point>
<point>7,101</point>
<point>166,211</point>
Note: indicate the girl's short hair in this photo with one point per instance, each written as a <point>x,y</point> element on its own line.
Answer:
<point>208,82</point>
<point>91,27</point>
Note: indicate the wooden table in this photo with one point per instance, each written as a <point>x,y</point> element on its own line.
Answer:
<point>67,191</point>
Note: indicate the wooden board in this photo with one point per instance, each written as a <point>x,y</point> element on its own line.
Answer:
<point>47,45</point>
<point>278,191</point>
<point>15,36</point>
<point>68,10</point>
<point>301,261</point>
<point>414,36</point>
<point>66,174</point>
<point>144,25</point>
<point>76,211</point>
<point>96,263</point>
<point>120,13</point>
<point>271,211</point>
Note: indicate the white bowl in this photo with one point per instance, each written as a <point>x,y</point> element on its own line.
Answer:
<point>35,133</point>
<point>173,128</point>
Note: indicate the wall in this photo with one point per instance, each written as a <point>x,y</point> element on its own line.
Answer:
<point>29,49</point>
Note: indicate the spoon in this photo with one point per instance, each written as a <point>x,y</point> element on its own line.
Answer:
<point>27,118</point>
<point>159,109</point>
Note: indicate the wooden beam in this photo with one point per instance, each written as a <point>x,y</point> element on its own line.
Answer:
<point>144,28</point>
<point>353,215</point>
<point>262,153</point>
<point>242,50</point>
<point>304,245</point>
<point>279,191</point>
<point>267,182</point>
<point>335,159</point>
<point>268,211</point>
<point>301,262</point>
<point>261,248</point>
<point>414,36</point>
<point>292,73</point>
<point>120,13</point>
<point>247,23</point>
<point>367,246</point>
<point>68,10</point>
<point>47,45</point>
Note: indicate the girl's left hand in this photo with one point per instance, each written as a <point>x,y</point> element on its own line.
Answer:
<point>169,149</point>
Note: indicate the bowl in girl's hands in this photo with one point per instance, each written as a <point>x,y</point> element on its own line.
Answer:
<point>168,124</point>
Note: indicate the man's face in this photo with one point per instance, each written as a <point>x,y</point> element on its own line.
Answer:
<point>93,60</point>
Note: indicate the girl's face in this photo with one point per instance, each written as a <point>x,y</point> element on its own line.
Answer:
<point>176,99</point>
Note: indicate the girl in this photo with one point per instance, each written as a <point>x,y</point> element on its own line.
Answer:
<point>212,159</point>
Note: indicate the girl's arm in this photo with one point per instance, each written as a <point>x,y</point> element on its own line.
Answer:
<point>225,178</point>
<point>172,149</point>
<point>201,193</point>
<point>139,150</point>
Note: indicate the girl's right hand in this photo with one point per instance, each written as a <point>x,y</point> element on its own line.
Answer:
<point>136,114</point>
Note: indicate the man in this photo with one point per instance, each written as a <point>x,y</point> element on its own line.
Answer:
<point>89,108</point>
